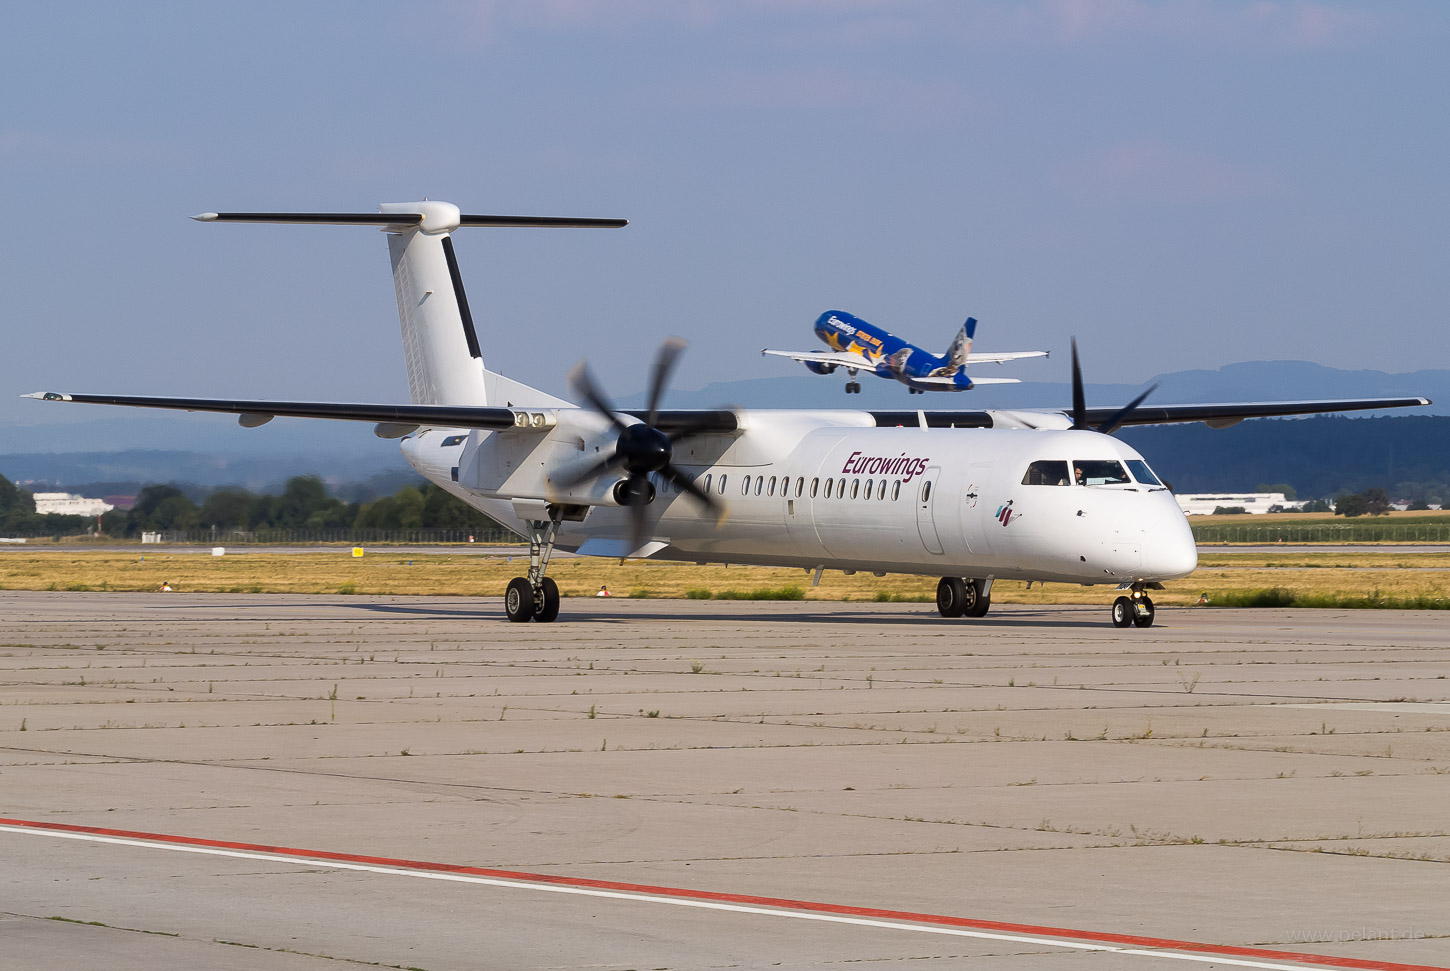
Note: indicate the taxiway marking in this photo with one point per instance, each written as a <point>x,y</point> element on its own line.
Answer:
<point>1127,944</point>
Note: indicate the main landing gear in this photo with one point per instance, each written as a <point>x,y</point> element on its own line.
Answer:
<point>1136,609</point>
<point>852,386</point>
<point>535,597</point>
<point>963,597</point>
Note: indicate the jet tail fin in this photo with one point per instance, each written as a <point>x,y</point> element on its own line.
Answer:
<point>956,355</point>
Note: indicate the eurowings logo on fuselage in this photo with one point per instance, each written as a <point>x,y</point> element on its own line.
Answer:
<point>907,467</point>
<point>1006,514</point>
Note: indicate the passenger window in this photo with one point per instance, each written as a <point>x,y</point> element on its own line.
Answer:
<point>841,488</point>
<point>814,484</point>
<point>722,483</point>
<point>829,483</point>
<point>771,491</point>
<point>868,490</point>
<point>1048,473</point>
<point>1093,472</point>
<point>1142,473</point>
<point>881,492</point>
<point>759,483</point>
<point>800,485</point>
<point>926,491</point>
<point>745,486</point>
<point>855,488</point>
<point>896,491</point>
<point>707,482</point>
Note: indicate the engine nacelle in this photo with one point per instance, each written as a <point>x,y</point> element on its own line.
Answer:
<point>820,367</point>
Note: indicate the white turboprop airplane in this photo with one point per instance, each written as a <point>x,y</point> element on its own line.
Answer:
<point>969,496</point>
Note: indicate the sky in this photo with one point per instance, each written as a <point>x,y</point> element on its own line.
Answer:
<point>1179,185</point>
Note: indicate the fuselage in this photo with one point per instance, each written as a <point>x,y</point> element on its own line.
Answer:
<point>890,356</point>
<point>1067,506</point>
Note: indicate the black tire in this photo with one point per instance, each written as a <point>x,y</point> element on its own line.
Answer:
<point>979,600</point>
<point>518,601</point>
<point>1143,615</point>
<point>547,605</point>
<point>1122,612</point>
<point>951,596</point>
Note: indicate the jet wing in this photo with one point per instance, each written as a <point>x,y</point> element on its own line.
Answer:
<point>837,358</point>
<point>1003,357</point>
<point>951,383</point>
<point>394,419</point>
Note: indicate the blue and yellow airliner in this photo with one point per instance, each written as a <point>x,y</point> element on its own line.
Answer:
<point>859,346</point>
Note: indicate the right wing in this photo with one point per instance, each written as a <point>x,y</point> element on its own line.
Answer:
<point>836,358</point>
<point>1003,357</point>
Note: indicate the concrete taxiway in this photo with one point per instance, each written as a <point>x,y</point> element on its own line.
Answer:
<point>293,782</point>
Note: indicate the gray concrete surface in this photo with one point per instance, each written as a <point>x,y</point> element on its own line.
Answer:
<point>1272,778</point>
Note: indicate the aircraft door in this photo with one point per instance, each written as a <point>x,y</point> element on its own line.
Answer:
<point>977,508</point>
<point>925,499</point>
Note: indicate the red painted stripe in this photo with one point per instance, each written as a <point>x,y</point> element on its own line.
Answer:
<point>1102,937</point>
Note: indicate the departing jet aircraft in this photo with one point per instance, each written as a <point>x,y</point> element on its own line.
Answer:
<point>967,496</point>
<point>859,346</point>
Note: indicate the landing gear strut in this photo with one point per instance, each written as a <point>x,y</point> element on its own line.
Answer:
<point>852,386</point>
<point>962,597</point>
<point>535,597</point>
<point>1136,609</point>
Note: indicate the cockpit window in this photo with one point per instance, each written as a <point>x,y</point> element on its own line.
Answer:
<point>1093,472</point>
<point>1048,473</point>
<point>454,440</point>
<point>1142,473</point>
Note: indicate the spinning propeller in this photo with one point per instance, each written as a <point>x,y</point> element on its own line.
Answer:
<point>642,448</point>
<point>1079,404</point>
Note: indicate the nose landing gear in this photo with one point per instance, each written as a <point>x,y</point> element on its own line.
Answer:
<point>1136,609</point>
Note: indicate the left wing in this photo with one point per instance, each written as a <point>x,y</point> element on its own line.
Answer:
<point>393,420</point>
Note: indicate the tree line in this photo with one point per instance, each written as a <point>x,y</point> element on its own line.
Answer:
<point>304,503</point>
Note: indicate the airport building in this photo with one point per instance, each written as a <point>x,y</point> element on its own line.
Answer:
<point>66,504</point>
<point>1204,503</point>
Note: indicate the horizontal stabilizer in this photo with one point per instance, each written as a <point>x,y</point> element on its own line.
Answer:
<point>408,219</point>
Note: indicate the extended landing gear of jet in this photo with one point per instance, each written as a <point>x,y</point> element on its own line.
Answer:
<point>852,386</point>
<point>1136,609</point>
<point>915,391</point>
<point>962,597</point>
<point>535,597</point>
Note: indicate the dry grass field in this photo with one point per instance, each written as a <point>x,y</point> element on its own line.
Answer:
<point>1375,577</point>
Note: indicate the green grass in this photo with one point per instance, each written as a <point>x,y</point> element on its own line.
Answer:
<point>761,593</point>
<point>1284,597</point>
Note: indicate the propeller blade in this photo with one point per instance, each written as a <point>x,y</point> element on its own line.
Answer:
<point>637,499</point>
<point>604,465</point>
<point>1079,403</point>
<point>1115,422</point>
<point>664,363</point>
<point>688,485</point>
<point>583,383</point>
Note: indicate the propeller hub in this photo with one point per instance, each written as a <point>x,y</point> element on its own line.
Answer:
<point>644,449</point>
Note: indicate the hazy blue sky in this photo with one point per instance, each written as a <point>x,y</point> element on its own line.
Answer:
<point>1178,184</point>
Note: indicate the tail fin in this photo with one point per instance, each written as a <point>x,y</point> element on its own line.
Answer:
<point>956,355</point>
<point>440,343</point>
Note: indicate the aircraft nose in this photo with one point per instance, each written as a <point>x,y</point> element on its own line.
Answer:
<point>1169,550</point>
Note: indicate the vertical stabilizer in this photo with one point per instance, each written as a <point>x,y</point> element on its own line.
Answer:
<point>956,355</point>
<point>440,345</point>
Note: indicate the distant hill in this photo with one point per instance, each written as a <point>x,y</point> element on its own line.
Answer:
<point>1409,456</point>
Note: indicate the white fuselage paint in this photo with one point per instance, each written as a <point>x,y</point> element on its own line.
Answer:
<point>946,490</point>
